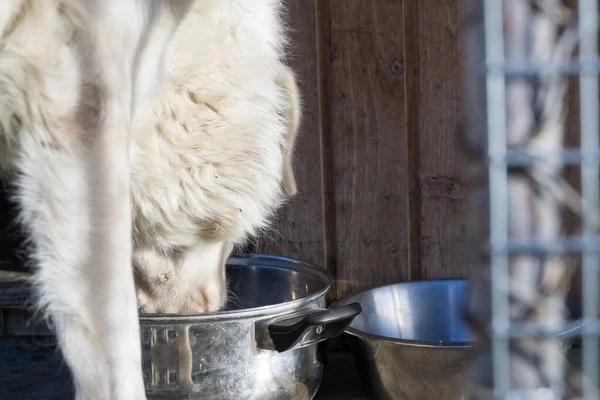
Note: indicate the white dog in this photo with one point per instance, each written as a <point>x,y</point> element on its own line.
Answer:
<point>155,131</point>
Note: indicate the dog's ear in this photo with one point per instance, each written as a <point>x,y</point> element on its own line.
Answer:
<point>292,112</point>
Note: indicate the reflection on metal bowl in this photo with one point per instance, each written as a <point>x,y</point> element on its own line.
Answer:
<point>410,341</point>
<point>263,346</point>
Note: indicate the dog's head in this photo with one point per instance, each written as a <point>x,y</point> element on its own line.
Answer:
<point>190,277</point>
<point>192,281</point>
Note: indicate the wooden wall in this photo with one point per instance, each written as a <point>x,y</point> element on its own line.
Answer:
<point>382,189</point>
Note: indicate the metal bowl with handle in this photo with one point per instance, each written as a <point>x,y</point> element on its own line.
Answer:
<point>263,346</point>
<point>410,341</point>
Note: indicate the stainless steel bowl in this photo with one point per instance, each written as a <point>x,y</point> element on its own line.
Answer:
<point>410,341</point>
<point>263,346</point>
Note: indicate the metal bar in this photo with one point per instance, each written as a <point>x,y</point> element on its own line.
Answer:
<point>588,86</point>
<point>520,68</point>
<point>498,178</point>
<point>568,156</point>
<point>571,329</point>
<point>561,245</point>
<point>534,394</point>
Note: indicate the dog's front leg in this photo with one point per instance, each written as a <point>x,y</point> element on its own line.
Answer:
<point>68,125</point>
<point>126,41</point>
<point>75,207</point>
<point>75,200</point>
<point>108,270</point>
<point>110,261</point>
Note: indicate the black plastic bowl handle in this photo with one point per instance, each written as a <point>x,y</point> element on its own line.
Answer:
<point>304,330</point>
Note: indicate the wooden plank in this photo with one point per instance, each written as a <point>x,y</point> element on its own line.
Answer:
<point>323,37</point>
<point>23,323</point>
<point>14,294</point>
<point>441,167</point>
<point>32,368</point>
<point>299,231</point>
<point>364,78</point>
<point>12,234</point>
<point>411,101</point>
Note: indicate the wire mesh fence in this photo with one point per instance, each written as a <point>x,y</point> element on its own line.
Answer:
<point>520,54</point>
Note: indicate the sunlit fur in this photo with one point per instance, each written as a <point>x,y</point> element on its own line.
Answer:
<point>209,149</point>
<point>105,119</point>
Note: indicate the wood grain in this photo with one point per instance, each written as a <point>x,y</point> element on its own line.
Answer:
<point>364,78</point>
<point>11,234</point>
<point>323,34</point>
<point>381,185</point>
<point>441,166</point>
<point>410,20</point>
<point>14,294</point>
<point>23,323</point>
<point>299,230</point>
<point>32,368</point>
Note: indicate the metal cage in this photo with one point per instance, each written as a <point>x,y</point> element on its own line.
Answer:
<point>520,55</point>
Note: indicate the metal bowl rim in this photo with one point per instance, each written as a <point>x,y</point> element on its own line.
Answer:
<point>407,342</point>
<point>256,312</point>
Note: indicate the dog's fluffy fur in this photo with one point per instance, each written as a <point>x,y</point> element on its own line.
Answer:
<point>211,150</point>
<point>182,120</point>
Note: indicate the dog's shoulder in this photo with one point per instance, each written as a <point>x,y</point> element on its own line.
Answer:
<point>208,154</point>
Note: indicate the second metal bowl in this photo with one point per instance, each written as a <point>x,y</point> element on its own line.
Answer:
<point>410,341</point>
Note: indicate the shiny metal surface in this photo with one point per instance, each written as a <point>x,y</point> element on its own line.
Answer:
<point>215,356</point>
<point>410,341</point>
